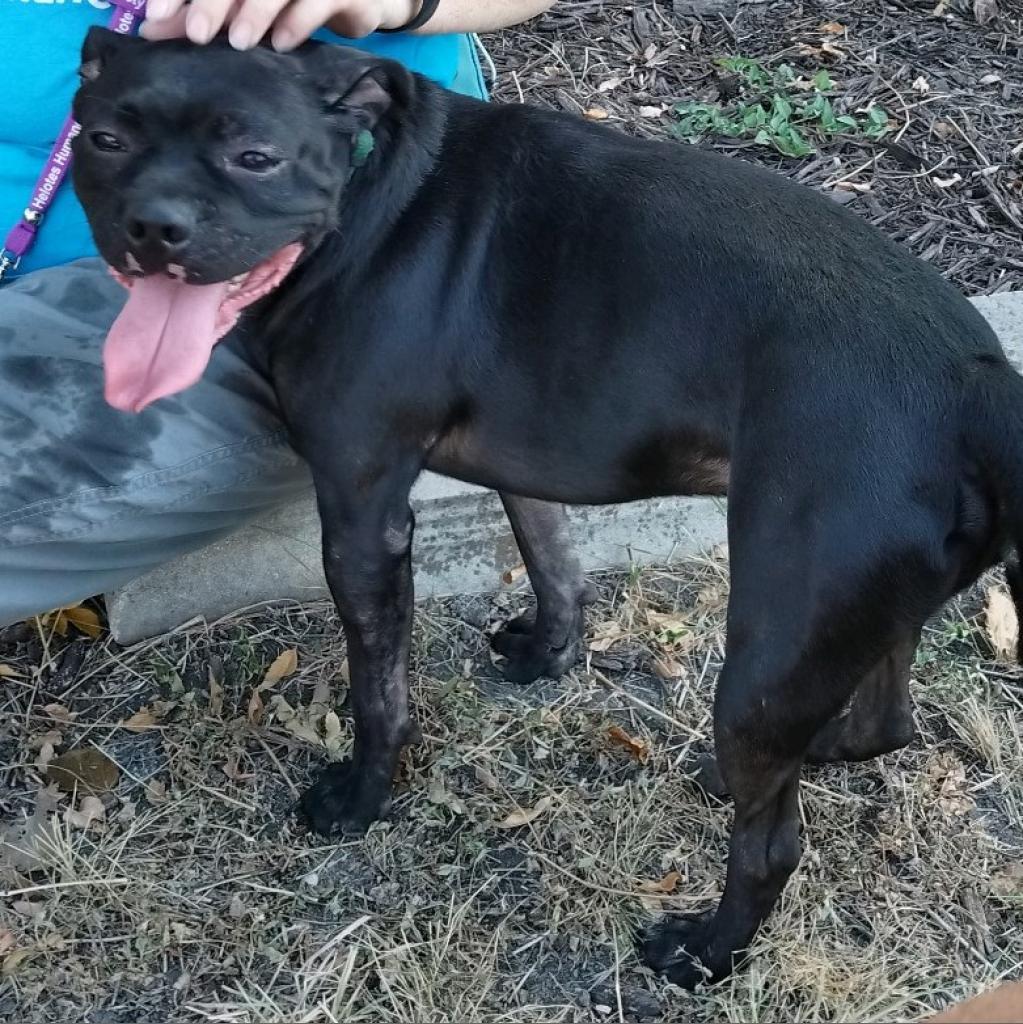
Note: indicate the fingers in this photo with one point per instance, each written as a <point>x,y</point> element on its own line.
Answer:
<point>200,21</point>
<point>302,18</point>
<point>252,21</point>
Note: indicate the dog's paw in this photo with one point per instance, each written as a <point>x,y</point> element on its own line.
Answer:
<point>707,776</point>
<point>341,800</point>
<point>675,947</point>
<point>527,654</point>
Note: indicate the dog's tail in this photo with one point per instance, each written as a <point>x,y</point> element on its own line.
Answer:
<point>994,433</point>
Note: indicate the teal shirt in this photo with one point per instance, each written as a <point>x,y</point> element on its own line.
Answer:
<point>40,46</point>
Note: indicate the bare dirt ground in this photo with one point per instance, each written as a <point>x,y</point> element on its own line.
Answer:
<point>538,829</point>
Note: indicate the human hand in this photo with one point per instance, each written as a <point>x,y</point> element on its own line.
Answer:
<point>290,22</point>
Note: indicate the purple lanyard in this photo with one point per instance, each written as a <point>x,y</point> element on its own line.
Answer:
<point>127,14</point>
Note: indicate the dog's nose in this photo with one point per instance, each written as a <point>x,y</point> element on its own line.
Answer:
<point>163,225</point>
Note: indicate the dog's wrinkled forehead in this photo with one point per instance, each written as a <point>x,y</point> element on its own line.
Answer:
<point>216,88</point>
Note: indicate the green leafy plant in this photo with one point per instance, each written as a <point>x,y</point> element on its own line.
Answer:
<point>777,108</point>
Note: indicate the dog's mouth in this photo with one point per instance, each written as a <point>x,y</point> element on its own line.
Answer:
<point>164,337</point>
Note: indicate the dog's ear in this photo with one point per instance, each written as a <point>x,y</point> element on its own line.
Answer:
<point>356,88</point>
<point>100,46</point>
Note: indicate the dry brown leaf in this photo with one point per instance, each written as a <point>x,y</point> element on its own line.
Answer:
<point>7,672</point>
<point>516,572</point>
<point>216,692</point>
<point>24,842</point>
<point>618,737</point>
<point>86,769</point>
<point>1001,624</point>
<point>14,960</point>
<point>332,734</point>
<point>486,777</point>
<point>90,812</point>
<point>664,886</point>
<point>605,634</point>
<point>143,719</point>
<point>608,84</point>
<point>320,703</point>
<point>35,910</point>
<point>651,111</point>
<point>254,714</point>
<point>59,713</point>
<point>1007,881</point>
<point>832,28</point>
<point>46,744</point>
<point>85,620</point>
<point>524,815</point>
<point>7,941</point>
<point>595,114</point>
<point>294,721</point>
<point>284,665</point>
<point>667,668</point>
<point>156,792</point>
<point>669,622</point>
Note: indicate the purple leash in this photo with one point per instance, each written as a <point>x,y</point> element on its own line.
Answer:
<point>126,16</point>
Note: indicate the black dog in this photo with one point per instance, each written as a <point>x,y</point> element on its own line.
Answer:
<point>543,306</point>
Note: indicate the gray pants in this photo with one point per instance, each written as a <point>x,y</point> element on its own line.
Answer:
<point>91,497</point>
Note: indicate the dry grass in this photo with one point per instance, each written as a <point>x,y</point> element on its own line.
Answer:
<point>199,898</point>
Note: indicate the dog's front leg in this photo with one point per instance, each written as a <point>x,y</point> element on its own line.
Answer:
<point>367,540</point>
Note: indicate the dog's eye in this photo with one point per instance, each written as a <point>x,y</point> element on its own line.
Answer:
<point>106,142</point>
<point>253,160</point>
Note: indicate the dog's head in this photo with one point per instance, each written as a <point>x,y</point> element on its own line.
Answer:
<point>205,173</point>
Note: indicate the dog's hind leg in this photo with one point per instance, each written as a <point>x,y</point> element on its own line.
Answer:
<point>812,611</point>
<point>545,643</point>
<point>877,719</point>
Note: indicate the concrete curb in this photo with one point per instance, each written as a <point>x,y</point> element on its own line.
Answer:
<point>462,545</point>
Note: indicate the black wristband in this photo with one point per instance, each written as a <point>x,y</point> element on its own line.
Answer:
<point>426,12</point>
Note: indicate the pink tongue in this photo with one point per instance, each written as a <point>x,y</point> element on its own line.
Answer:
<point>162,341</point>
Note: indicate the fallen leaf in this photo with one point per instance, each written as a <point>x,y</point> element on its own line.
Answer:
<point>156,792</point>
<point>524,815</point>
<point>1000,624</point>
<point>438,793</point>
<point>605,634</point>
<point>1007,881</point>
<point>255,709</point>
<point>594,114</point>
<point>332,734</point>
<point>486,777</point>
<point>85,620</point>
<point>293,721</point>
<point>14,960</point>
<point>947,182</point>
<point>608,84</point>
<point>940,8</point>
<point>27,908</point>
<point>513,575</point>
<point>7,672</point>
<point>7,940</point>
<point>618,737</point>
<point>985,11</point>
<point>284,665</point>
<point>921,86</point>
<point>668,622</point>
<point>667,668</point>
<point>90,811</point>
<point>651,111</point>
<point>215,673</point>
<point>664,886</point>
<point>46,744</point>
<point>59,713</point>
<point>24,842</point>
<point>142,720</point>
<point>86,769</point>
<point>854,186</point>
<point>832,28</point>
<point>320,703</point>
<point>991,79</point>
